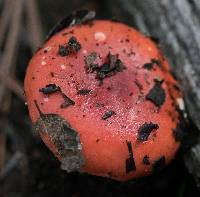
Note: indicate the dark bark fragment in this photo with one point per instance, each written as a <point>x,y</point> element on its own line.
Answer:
<point>65,139</point>
<point>130,163</point>
<point>111,67</point>
<point>145,130</point>
<point>90,66</point>
<point>157,95</point>
<point>73,46</point>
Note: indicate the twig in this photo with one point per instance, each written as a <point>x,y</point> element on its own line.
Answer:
<point>34,24</point>
<point>5,18</point>
<point>2,150</point>
<point>12,84</point>
<point>11,164</point>
<point>11,45</point>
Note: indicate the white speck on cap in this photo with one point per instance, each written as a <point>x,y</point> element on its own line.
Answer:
<point>99,36</point>
<point>84,51</point>
<point>62,66</point>
<point>46,99</point>
<point>48,48</point>
<point>43,63</point>
<point>149,49</point>
<point>180,103</point>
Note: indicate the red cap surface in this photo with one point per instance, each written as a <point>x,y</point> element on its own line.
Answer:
<point>112,86</point>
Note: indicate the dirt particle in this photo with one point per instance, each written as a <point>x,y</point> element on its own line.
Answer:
<point>73,46</point>
<point>148,66</point>
<point>62,51</point>
<point>145,130</point>
<point>67,101</point>
<point>131,94</point>
<point>127,40</point>
<point>99,105</point>
<point>145,160</point>
<point>109,88</point>
<point>52,74</point>
<point>83,92</point>
<point>157,95</point>
<point>50,88</point>
<point>138,84</point>
<point>108,114</point>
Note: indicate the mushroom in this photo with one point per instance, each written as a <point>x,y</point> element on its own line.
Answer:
<point>102,98</point>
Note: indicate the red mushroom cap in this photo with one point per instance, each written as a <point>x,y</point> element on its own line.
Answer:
<point>103,100</point>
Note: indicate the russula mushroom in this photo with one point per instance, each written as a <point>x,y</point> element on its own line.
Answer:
<point>101,96</point>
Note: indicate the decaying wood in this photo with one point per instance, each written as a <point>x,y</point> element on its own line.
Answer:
<point>177,25</point>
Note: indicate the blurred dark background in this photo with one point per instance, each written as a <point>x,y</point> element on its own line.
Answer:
<point>27,168</point>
